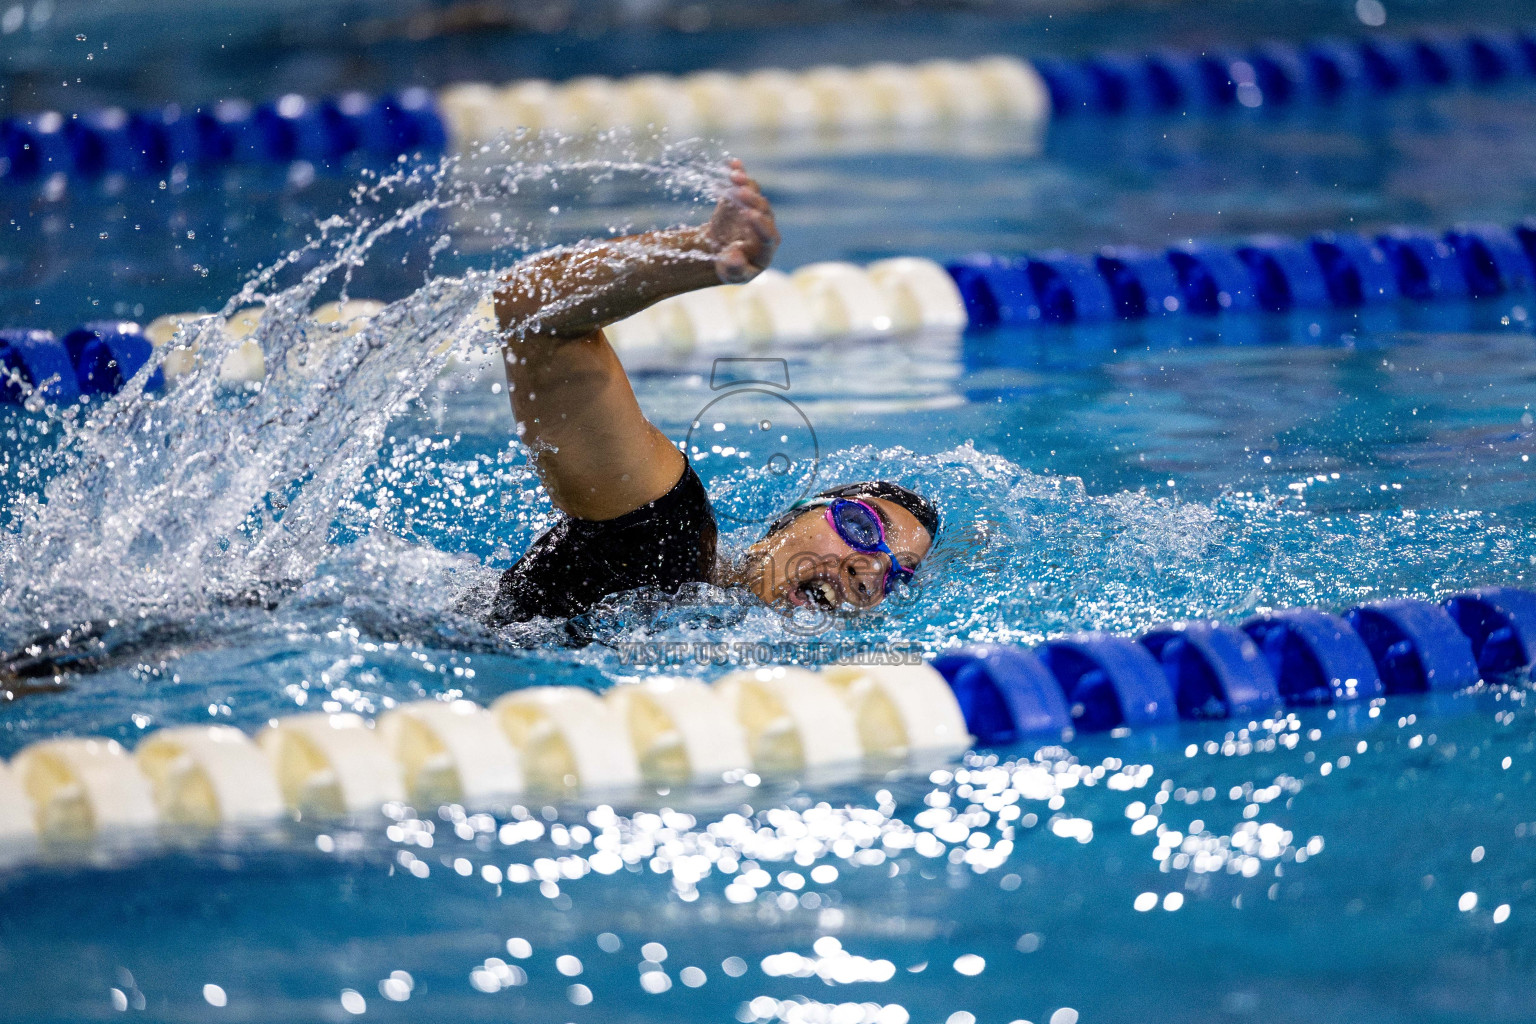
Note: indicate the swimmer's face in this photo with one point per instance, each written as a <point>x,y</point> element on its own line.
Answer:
<point>806,564</point>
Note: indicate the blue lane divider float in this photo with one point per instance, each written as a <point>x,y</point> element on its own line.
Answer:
<point>1005,693</point>
<point>1284,75</point>
<point>1501,623</point>
<point>107,353</point>
<point>1216,670</point>
<point>1109,681</point>
<point>1295,657</point>
<point>34,361</point>
<point>1416,645</point>
<point>97,358</point>
<point>1327,271</point>
<point>1316,657</point>
<point>150,142</point>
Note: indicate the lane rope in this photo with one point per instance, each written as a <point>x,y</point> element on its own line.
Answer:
<point>778,721</point>
<point>1346,272</point>
<point>828,101</point>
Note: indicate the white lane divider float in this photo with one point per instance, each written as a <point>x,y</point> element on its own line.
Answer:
<point>793,718</point>
<point>768,102</point>
<point>18,822</point>
<point>82,786</point>
<point>245,363</point>
<point>843,300</point>
<point>204,775</point>
<point>919,294</point>
<point>819,301</point>
<point>547,739</point>
<point>681,730</point>
<point>901,709</point>
<point>569,739</point>
<point>331,765</point>
<point>770,308</point>
<point>451,752</point>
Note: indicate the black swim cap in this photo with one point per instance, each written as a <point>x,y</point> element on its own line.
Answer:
<point>921,508</point>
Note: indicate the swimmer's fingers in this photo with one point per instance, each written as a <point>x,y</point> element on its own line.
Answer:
<point>761,224</point>
<point>738,173</point>
<point>733,266</point>
<point>745,235</point>
<point>740,178</point>
<point>750,198</point>
<point>760,244</point>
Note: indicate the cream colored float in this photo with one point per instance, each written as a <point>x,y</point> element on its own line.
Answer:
<point>918,293</point>
<point>337,320</point>
<point>770,101</point>
<point>703,320</point>
<point>639,335</point>
<point>1015,88</point>
<point>793,719</point>
<point>180,359</point>
<point>18,823</point>
<point>353,314</point>
<point>901,709</point>
<point>591,103</point>
<point>680,729</point>
<point>820,300</point>
<point>79,787</point>
<point>900,96</point>
<point>451,752</point>
<point>717,98</point>
<point>205,775</point>
<point>331,765</point>
<point>778,102</point>
<point>471,113</point>
<point>844,99</point>
<point>958,89</point>
<point>842,300</point>
<point>660,103</point>
<point>244,363</point>
<point>569,739</point>
<point>769,308</point>
<point>527,106</point>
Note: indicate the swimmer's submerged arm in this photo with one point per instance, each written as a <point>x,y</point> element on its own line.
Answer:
<point>597,454</point>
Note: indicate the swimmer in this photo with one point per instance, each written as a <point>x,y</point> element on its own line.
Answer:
<point>634,511</point>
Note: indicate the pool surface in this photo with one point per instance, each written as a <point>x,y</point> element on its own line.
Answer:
<point>1369,862</point>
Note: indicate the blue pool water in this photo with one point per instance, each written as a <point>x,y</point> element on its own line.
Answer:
<point>1365,863</point>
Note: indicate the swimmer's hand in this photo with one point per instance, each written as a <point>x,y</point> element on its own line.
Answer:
<point>741,234</point>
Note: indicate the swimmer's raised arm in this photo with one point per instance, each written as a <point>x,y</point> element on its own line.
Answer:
<point>598,455</point>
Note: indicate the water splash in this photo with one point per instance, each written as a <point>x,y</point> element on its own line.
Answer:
<point>166,505</point>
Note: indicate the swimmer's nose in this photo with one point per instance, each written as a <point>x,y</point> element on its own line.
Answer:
<point>863,579</point>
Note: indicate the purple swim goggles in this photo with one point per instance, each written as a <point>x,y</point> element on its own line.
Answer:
<point>860,527</point>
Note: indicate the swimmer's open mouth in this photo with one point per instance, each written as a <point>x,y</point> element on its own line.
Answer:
<point>816,592</point>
